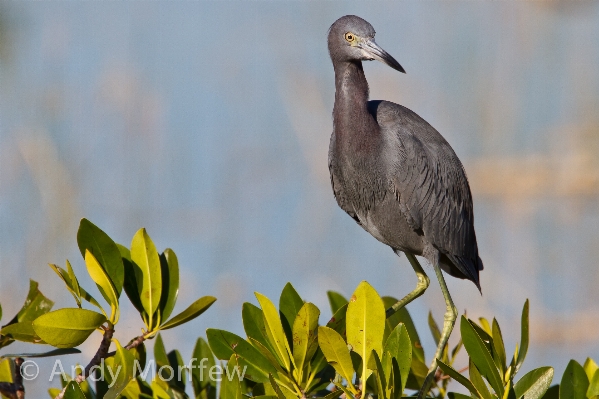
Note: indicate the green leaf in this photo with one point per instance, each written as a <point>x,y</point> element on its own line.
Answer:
<point>124,363</point>
<point>524,337</point>
<point>593,386</point>
<point>176,362</point>
<point>55,352</point>
<point>575,383</point>
<point>379,377</point>
<point>73,391</point>
<point>63,274</point>
<point>534,384</point>
<point>170,282</point>
<point>434,328</point>
<point>403,316</point>
<point>160,352</point>
<point>90,237</point>
<point>253,324</point>
<point>335,351</point>
<point>590,367</point>
<point>305,335</point>
<point>289,304</point>
<point>200,373</point>
<point>130,284</point>
<point>365,322</point>
<point>230,384</point>
<point>398,346</point>
<point>267,354</point>
<point>35,305</point>
<point>336,300</point>
<point>480,355</point>
<point>498,348</point>
<point>455,395</point>
<point>274,330</point>
<point>193,311</point>
<point>478,382</point>
<point>22,331</point>
<point>224,343</point>
<point>448,370</point>
<point>147,272</point>
<point>68,327</point>
<point>276,387</point>
<point>337,322</point>
<point>102,280</point>
<point>552,393</point>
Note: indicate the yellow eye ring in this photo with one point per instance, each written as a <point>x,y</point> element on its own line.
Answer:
<point>350,37</point>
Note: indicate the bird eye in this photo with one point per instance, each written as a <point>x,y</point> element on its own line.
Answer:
<point>349,37</point>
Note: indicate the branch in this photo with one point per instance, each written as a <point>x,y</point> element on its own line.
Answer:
<point>14,390</point>
<point>96,360</point>
<point>102,353</point>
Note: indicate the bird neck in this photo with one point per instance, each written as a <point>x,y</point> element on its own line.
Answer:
<point>351,98</point>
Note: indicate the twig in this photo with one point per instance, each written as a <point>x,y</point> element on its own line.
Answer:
<point>134,343</point>
<point>96,360</point>
<point>14,390</point>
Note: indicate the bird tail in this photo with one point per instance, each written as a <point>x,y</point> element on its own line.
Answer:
<point>464,268</point>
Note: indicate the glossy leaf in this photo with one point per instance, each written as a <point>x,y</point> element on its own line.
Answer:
<point>64,276</point>
<point>130,284</point>
<point>55,352</point>
<point>224,343</point>
<point>432,325</point>
<point>202,383</point>
<point>289,305</point>
<point>524,336</point>
<point>337,322</point>
<point>450,371</point>
<point>124,363</point>
<point>176,362</point>
<point>552,392</point>
<point>305,334</point>
<point>253,324</point>
<point>498,347</point>
<point>590,367</point>
<point>102,280</point>
<point>68,327</point>
<point>274,330</point>
<point>148,275</point>
<point>398,346</point>
<point>403,316</point>
<point>36,304</point>
<point>170,282</point>
<point>193,311</point>
<point>575,383</point>
<point>365,321</point>
<point>335,351</point>
<point>230,384</point>
<point>593,385</point>
<point>456,395</point>
<point>534,384</point>
<point>73,391</point>
<point>160,355</point>
<point>91,238</point>
<point>22,331</point>
<point>478,381</point>
<point>480,355</point>
<point>336,301</point>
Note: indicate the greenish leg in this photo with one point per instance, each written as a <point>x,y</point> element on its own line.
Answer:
<point>451,314</point>
<point>421,286</point>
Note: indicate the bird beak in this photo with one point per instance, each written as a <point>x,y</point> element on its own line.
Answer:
<point>374,52</point>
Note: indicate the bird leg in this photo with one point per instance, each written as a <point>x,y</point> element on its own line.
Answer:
<point>451,313</point>
<point>421,286</point>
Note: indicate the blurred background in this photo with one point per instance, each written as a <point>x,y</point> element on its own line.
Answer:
<point>208,123</point>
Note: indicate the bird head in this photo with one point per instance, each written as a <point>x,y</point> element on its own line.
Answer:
<point>352,39</point>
